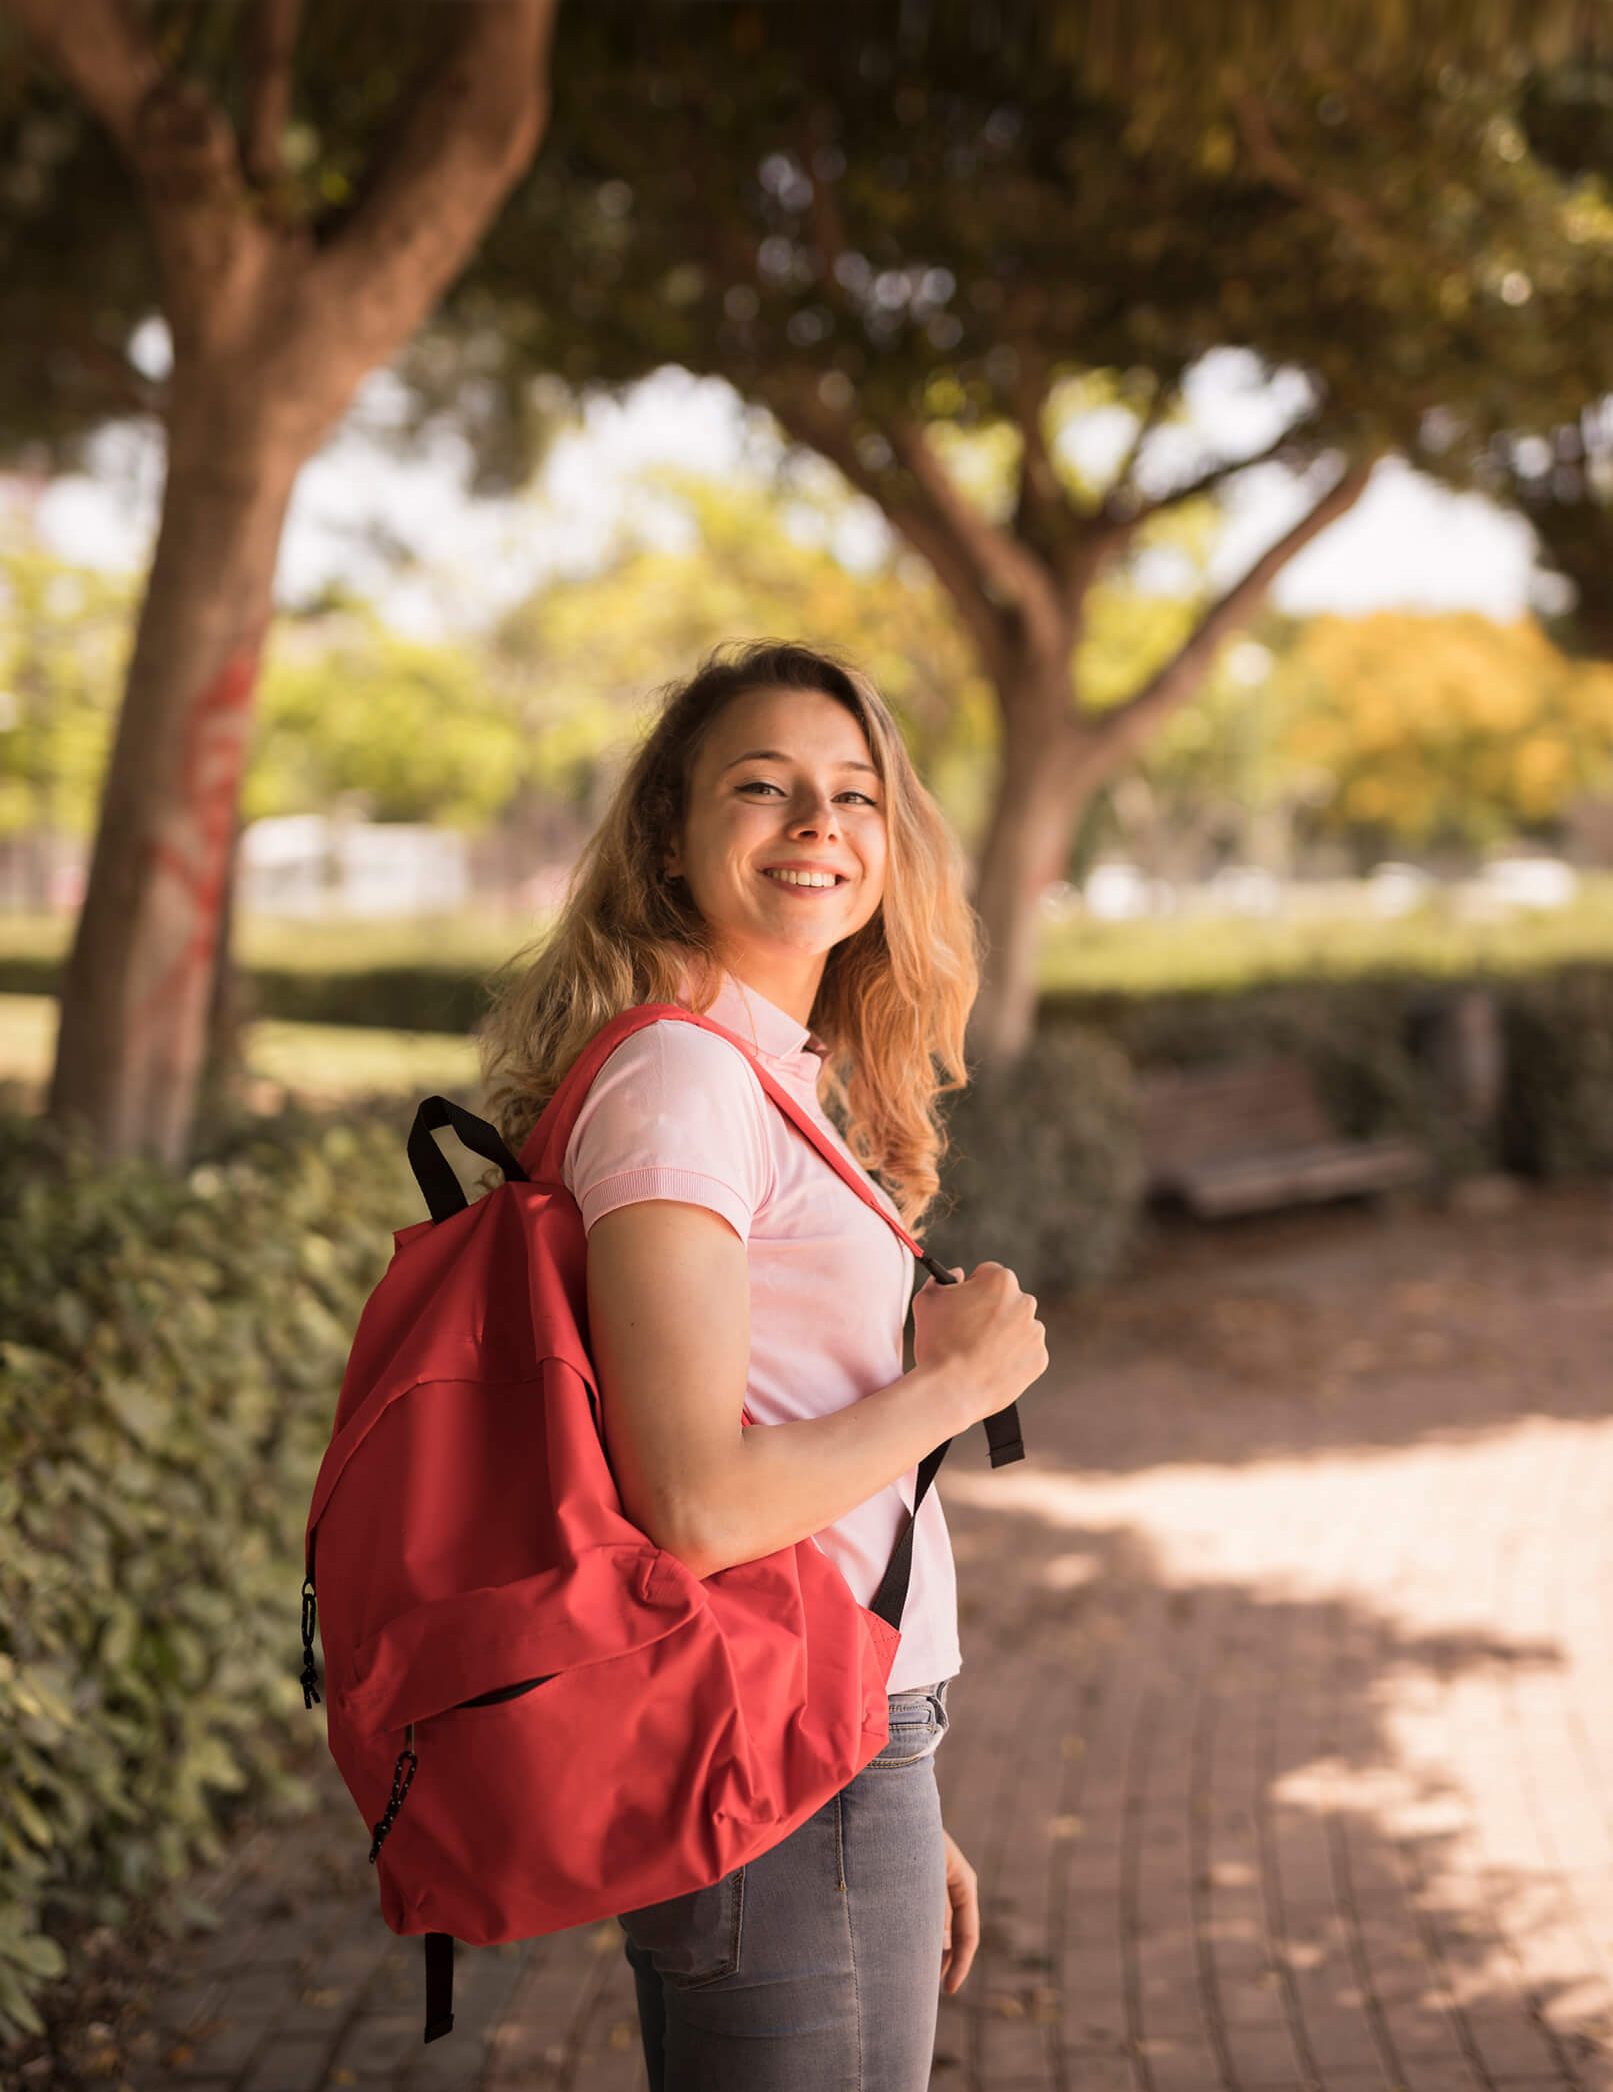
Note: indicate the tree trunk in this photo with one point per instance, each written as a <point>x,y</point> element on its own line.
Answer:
<point>229,1005</point>
<point>273,326</point>
<point>136,990</point>
<point>1054,759</point>
<point>1040,791</point>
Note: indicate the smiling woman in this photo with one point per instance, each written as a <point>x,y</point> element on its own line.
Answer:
<point>783,848</point>
<point>892,955</point>
<point>772,860</point>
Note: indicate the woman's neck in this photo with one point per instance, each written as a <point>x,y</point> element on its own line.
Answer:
<point>789,982</point>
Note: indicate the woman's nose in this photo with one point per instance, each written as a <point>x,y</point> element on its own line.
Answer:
<point>815,817</point>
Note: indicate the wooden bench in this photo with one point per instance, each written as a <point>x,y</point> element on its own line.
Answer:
<point>1247,1136</point>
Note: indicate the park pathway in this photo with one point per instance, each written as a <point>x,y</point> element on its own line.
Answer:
<point>1283,1743</point>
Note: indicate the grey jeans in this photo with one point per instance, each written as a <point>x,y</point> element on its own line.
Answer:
<point>816,1968</point>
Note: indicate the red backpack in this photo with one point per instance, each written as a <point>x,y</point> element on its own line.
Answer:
<point>543,1717</point>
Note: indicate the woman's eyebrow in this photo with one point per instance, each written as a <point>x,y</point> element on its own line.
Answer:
<point>777,755</point>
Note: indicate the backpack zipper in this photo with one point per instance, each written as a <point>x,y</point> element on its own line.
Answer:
<point>310,1675</point>
<point>402,1776</point>
<point>408,1762</point>
<point>504,1692</point>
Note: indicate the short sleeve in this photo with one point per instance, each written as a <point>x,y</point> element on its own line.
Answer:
<point>675,1113</point>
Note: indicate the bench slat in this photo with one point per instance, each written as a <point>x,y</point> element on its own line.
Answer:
<point>1252,1134</point>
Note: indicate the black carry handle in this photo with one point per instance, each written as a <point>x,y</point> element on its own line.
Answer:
<point>1004,1438</point>
<point>434,1173</point>
<point>1002,1430</point>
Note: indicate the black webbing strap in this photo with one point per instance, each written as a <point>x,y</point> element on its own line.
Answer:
<point>434,1173</point>
<point>891,1596</point>
<point>439,1984</point>
<point>1002,1435</point>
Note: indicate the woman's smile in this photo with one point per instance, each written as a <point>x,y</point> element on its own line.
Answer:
<point>784,794</point>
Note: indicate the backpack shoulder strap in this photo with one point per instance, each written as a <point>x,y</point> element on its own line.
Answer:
<point>567,1103</point>
<point>546,1145</point>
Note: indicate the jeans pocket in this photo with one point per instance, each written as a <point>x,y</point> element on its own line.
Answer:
<point>918,1721</point>
<point>692,1939</point>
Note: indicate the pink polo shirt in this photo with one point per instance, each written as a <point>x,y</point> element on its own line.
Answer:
<point>677,1113</point>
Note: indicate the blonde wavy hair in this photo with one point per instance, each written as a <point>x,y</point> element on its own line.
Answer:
<point>894,998</point>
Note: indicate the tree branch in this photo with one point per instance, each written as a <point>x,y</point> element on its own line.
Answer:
<point>470,129</point>
<point>1119,505</point>
<point>828,227</point>
<point>1343,206</point>
<point>982,568</point>
<point>1116,735</point>
<point>1040,504</point>
<point>1007,572</point>
<point>106,375</point>
<point>800,409</point>
<point>1207,482</point>
<point>101,50</point>
<point>178,140</point>
<point>271,48</point>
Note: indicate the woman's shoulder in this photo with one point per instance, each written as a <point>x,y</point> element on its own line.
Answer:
<point>680,1056</point>
<point>674,1096</point>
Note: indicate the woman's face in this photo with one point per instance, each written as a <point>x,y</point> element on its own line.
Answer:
<point>784,787</point>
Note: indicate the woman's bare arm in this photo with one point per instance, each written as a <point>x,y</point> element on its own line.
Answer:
<point>669,1316</point>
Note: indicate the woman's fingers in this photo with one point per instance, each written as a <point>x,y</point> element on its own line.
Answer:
<point>961,1931</point>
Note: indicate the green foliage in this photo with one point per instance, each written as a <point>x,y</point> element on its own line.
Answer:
<point>919,217</point>
<point>418,732</point>
<point>173,1349</point>
<point>64,633</point>
<point>1437,730</point>
<point>759,562</point>
<point>318,1063</point>
<point>1392,733</point>
<point>397,998</point>
<point>1367,1042</point>
<point>1558,1120</point>
<point>1356,1036</point>
<point>1044,1170</point>
<point>80,266</point>
<point>1439,941</point>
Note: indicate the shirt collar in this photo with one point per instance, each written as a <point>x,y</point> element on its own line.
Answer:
<point>775,1033</point>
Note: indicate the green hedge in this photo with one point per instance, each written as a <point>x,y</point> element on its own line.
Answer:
<point>1359,1034</point>
<point>389,998</point>
<point>1557,1118</point>
<point>1044,1168</point>
<point>1363,1040</point>
<point>166,1388</point>
<point>173,1348</point>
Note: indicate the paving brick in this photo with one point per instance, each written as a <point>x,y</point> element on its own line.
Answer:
<point>1311,1663</point>
<point>380,2043</point>
<point>228,2044</point>
<point>289,2065</point>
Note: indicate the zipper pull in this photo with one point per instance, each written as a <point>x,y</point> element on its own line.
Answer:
<point>402,1775</point>
<point>310,1676</point>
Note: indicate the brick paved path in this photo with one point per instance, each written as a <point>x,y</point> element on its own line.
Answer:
<point>1284,1739</point>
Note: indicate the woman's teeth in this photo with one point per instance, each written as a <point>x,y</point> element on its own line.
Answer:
<point>804,878</point>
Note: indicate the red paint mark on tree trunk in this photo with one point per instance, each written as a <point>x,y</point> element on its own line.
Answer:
<point>195,853</point>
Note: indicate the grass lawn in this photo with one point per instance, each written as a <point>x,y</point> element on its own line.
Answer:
<point>1314,936</point>
<point>469,943</point>
<point>1439,939</point>
<point>1443,937</point>
<point>318,1061</point>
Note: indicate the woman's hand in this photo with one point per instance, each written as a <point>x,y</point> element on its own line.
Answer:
<point>962,1934</point>
<point>983,1335</point>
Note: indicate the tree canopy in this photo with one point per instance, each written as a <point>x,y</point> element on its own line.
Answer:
<point>894,228</point>
<point>887,224</point>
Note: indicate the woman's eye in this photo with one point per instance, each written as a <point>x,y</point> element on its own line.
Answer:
<point>762,784</point>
